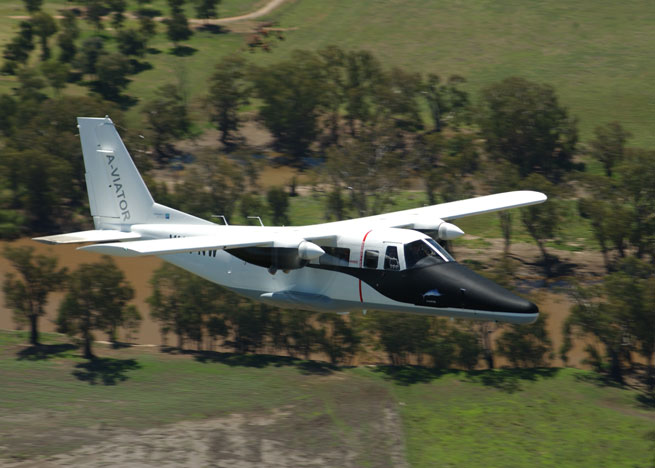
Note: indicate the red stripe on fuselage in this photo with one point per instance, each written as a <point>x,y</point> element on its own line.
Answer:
<point>361,258</point>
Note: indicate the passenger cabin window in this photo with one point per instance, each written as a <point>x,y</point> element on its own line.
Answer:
<point>371,258</point>
<point>335,256</point>
<point>391,258</point>
<point>418,250</point>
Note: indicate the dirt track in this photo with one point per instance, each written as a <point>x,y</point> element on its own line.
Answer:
<point>235,441</point>
<point>266,9</point>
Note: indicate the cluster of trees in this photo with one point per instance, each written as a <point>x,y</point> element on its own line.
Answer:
<point>89,60</point>
<point>97,296</point>
<point>360,124</point>
<point>619,315</point>
<point>206,315</point>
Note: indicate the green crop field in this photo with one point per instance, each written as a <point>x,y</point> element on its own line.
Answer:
<point>597,54</point>
<point>55,402</point>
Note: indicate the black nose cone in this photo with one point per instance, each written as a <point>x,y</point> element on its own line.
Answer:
<point>468,290</point>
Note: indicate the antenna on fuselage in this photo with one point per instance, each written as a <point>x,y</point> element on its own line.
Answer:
<point>256,217</point>
<point>222,217</point>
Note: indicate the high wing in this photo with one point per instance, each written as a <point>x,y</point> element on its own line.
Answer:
<point>430,217</point>
<point>228,239</point>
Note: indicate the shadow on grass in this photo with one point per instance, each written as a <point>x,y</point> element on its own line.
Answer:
<point>257,360</point>
<point>183,51</point>
<point>600,379</point>
<point>646,400</point>
<point>107,371</point>
<point>139,66</point>
<point>212,28</point>
<point>41,352</point>
<point>409,375</point>
<point>507,380</point>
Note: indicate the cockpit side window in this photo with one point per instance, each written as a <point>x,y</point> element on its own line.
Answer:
<point>371,259</point>
<point>391,261</point>
<point>420,249</point>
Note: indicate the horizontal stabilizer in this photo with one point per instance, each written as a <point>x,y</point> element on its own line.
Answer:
<point>96,235</point>
<point>180,245</point>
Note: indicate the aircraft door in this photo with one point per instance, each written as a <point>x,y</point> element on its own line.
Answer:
<point>391,266</point>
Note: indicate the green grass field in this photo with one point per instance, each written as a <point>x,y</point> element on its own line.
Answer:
<point>597,54</point>
<point>55,402</point>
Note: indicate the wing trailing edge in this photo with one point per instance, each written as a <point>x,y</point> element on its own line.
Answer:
<point>95,235</point>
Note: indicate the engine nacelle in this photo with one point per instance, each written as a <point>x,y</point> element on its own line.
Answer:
<point>283,255</point>
<point>448,231</point>
<point>440,228</point>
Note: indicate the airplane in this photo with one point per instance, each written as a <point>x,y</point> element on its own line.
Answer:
<point>384,262</point>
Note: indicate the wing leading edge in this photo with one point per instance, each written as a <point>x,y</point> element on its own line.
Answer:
<point>431,216</point>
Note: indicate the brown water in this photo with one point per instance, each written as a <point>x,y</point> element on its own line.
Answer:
<point>138,272</point>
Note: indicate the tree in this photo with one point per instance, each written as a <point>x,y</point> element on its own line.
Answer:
<point>426,153</point>
<point>363,78</point>
<point>95,10</point>
<point>337,338</point>
<point>228,92</point>
<point>592,317</point>
<point>248,323</point>
<point>636,175</point>
<point>610,216</point>
<point>56,73</point>
<point>167,119</point>
<point>44,26</point>
<point>609,145</point>
<point>524,123</point>
<point>502,176</point>
<point>91,50</point>
<point>178,28</point>
<point>176,5</point>
<point>251,205</point>
<point>17,51</point>
<point>368,166</point>
<point>468,348</point>
<point>33,6</point>
<point>70,32</point>
<point>278,201</point>
<point>444,99</point>
<point>630,296</point>
<point>291,92</point>
<point>213,187</point>
<point>526,345</point>
<point>206,9</point>
<point>97,299</point>
<point>402,336</point>
<point>112,71</point>
<point>182,303</point>
<point>147,24</point>
<point>542,221</point>
<point>27,295</point>
<point>132,42</point>
<point>333,80</point>
<point>118,12</point>
<point>397,98</point>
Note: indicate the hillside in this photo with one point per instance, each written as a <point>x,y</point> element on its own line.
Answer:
<point>597,54</point>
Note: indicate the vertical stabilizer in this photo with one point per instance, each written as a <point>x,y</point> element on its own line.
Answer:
<point>118,197</point>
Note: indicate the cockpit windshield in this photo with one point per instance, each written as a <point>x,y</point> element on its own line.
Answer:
<point>443,252</point>
<point>425,248</point>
